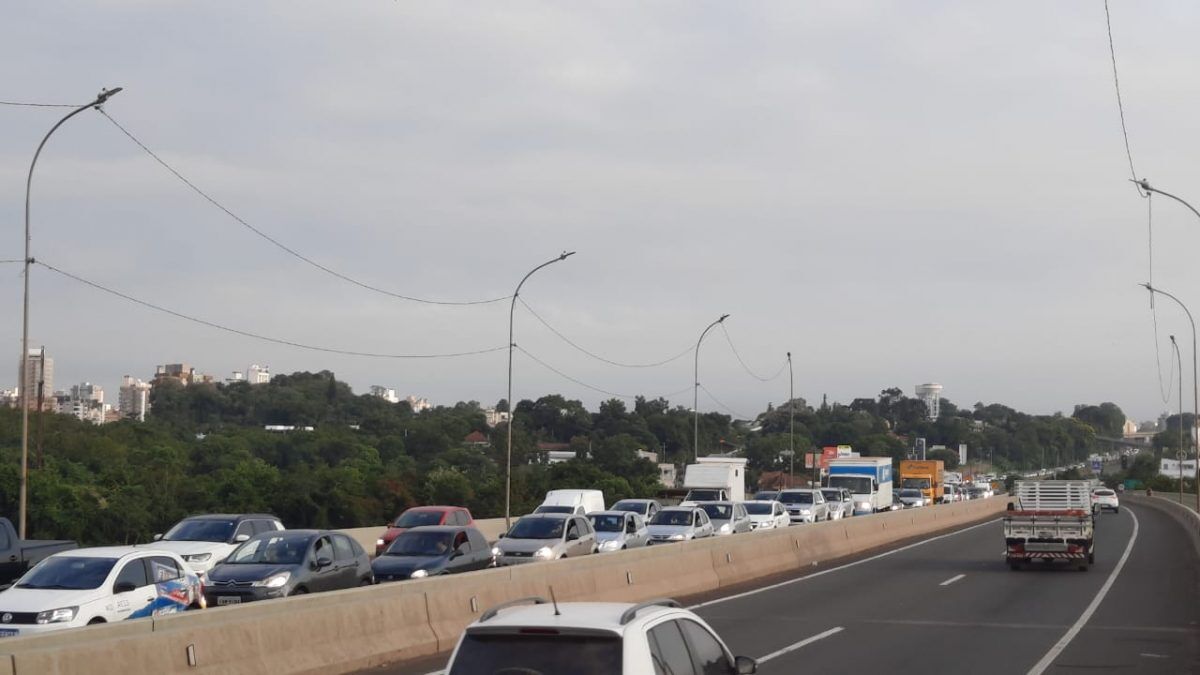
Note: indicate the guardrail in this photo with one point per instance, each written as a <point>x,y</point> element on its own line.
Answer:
<point>360,628</point>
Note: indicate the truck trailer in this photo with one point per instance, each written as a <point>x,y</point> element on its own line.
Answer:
<point>1050,520</point>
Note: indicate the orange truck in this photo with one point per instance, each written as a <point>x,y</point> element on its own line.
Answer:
<point>924,475</point>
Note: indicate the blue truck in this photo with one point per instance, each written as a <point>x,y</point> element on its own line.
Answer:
<point>869,480</point>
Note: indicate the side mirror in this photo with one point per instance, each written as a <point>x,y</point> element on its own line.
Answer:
<point>745,665</point>
<point>124,587</point>
<point>156,537</point>
<point>324,560</point>
<point>240,538</point>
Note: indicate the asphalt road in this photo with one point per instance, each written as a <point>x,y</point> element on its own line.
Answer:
<point>951,605</point>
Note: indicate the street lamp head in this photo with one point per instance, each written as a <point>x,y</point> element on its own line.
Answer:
<point>1143,183</point>
<point>566,254</point>
<point>106,94</point>
<point>722,319</point>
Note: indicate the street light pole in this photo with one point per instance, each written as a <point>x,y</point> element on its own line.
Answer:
<point>696,392</point>
<point>103,96</point>
<point>1180,455</point>
<point>1195,386</point>
<point>512,409</point>
<point>791,424</point>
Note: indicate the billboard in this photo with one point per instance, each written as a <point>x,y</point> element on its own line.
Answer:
<point>1171,468</point>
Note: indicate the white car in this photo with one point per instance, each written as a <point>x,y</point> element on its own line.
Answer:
<point>840,502</point>
<point>533,635</point>
<point>767,515</point>
<point>97,585</point>
<point>204,541</point>
<point>619,530</point>
<point>679,523</point>
<point>911,498</point>
<point>1104,498</point>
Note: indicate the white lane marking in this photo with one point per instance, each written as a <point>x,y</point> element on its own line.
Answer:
<point>951,580</point>
<point>1041,666</point>
<point>803,643</point>
<point>814,575</point>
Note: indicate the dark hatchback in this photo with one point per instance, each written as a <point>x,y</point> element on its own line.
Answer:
<point>289,562</point>
<point>429,551</point>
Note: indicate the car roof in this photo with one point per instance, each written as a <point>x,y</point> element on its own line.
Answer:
<point>108,552</point>
<point>611,513</point>
<point>435,508</point>
<point>230,516</point>
<point>635,501</point>
<point>604,616</point>
<point>438,528</point>
<point>296,534</point>
<point>679,508</point>
<point>549,516</point>
<point>716,503</point>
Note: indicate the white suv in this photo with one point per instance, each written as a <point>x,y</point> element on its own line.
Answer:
<point>533,635</point>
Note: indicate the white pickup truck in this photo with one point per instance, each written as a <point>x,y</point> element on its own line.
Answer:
<point>1050,520</point>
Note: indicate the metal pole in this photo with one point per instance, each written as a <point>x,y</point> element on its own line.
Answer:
<point>696,392</point>
<point>1195,385</point>
<point>512,409</point>
<point>791,424</point>
<point>1179,455</point>
<point>103,96</point>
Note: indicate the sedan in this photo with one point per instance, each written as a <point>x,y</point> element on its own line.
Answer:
<point>97,585</point>
<point>1104,498</point>
<point>805,506</point>
<point>680,523</point>
<point>619,530</point>
<point>430,551</point>
<point>290,562</point>
<point>423,516</point>
<point>767,515</point>
<point>546,536</point>
<point>727,517</point>
<point>840,501</point>
<point>646,508</point>
<point>912,498</point>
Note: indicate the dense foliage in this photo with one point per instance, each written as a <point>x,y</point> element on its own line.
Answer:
<point>204,449</point>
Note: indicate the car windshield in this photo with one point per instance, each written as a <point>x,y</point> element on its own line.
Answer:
<point>857,485</point>
<point>416,542</point>
<point>766,496</point>
<point>758,508</point>
<point>916,483</point>
<point>796,497</point>
<point>414,518</point>
<point>718,511</point>
<point>554,509</point>
<point>672,517</point>
<point>200,529</point>
<point>608,523</point>
<point>832,495</point>
<point>537,528</point>
<point>276,549</point>
<point>68,573</point>
<point>910,493</point>
<point>704,495</point>
<point>625,505</point>
<point>483,654</point>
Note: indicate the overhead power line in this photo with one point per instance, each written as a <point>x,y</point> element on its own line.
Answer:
<point>592,387</point>
<point>746,368</point>
<point>258,336</point>
<point>40,105</point>
<point>722,405</point>
<point>280,245</point>
<point>571,342</point>
<point>15,260</point>
<point>1120,104</point>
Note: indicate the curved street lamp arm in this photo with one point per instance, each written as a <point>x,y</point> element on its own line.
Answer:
<point>1145,185</point>
<point>696,390</point>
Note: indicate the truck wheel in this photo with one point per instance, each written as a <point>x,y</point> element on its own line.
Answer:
<point>1091,558</point>
<point>1014,565</point>
<point>1083,567</point>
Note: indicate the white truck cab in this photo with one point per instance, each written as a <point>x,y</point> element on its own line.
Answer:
<point>574,502</point>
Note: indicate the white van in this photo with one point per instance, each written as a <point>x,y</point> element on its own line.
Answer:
<point>577,502</point>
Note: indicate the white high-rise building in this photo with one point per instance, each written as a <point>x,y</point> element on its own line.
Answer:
<point>384,393</point>
<point>36,368</point>
<point>931,395</point>
<point>134,398</point>
<point>418,404</point>
<point>257,374</point>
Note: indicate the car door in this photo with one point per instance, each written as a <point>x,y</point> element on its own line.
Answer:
<point>480,556</point>
<point>586,537</point>
<point>324,577</point>
<point>635,531</point>
<point>171,588</point>
<point>132,590</point>
<point>345,562</point>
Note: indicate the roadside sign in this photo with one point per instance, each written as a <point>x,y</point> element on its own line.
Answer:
<point>1097,466</point>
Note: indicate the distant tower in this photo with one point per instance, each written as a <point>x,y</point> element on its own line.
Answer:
<point>931,395</point>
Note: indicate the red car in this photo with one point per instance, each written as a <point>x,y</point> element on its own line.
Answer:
<point>419,516</point>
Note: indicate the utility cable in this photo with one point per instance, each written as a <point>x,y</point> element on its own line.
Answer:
<point>280,245</point>
<point>722,405</point>
<point>41,105</point>
<point>15,260</point>
<point>569,341</point>
<point>585,385</point>
<point>1163,393</point>
<point>1120,104</point>
<point>257,336</point>
<point>746,368</point>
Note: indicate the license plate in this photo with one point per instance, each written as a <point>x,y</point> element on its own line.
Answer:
<point>8,632</point>
<point>228,600</point>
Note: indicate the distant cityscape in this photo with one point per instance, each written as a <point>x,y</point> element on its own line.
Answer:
<point>86,400</point>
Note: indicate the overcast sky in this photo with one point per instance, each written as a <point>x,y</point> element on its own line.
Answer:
<point>896,192</point>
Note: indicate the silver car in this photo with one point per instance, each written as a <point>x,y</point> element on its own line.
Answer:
<point>727,517</point>
<point>546,536</point>
<point>646,508</point>
<point>805,506</point>
<point>912,498</point>
<point>619,530</point>
<point>679,523</point>
<point>767,515</point>
<point>841,503</point>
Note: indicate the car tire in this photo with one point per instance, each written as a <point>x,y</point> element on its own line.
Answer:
<point>95,621</point>
<point>298,591</point>
<point>1091,558</point>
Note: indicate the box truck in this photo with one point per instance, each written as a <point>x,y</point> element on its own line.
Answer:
<point>924,475</point>
<point>869,480</point>
<point>715,479</point>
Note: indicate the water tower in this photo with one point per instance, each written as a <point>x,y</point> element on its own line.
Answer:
<point>931,395</point>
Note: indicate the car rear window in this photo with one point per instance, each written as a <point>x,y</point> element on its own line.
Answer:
<point>485,654</point>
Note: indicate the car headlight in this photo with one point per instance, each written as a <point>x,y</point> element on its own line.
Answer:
<point>544,553</point>
<point>419,574</point>
<point>496,551</point>
<point>676,537</point>
<point>274,581</point>
<point>379,542</point>
<point>197,557</point>
<point>610,545</point>
<point>805,512</point>
<point>725,529</point>
<point>862,505</point>
<point>60,615</point>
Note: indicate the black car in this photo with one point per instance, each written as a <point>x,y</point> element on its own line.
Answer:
<point>288,562</point>
<point>428,551</point>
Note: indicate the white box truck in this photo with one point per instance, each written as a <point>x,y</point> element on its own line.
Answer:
<point>869,480</point>
<point>715,479</point>
<point>578,502</point>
